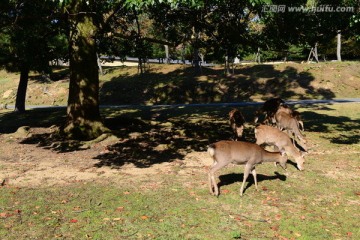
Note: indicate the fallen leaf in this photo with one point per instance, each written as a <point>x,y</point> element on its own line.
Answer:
<point>278,217</point>
<point>116,219</point>
<point>302,217</point>
<point>3,215</point>
<point>126,193</point>
<point>264,188</point>
<point>349,234</point>
<point>144,217</point>
<point>225,191</point>
<point>119,209</point>
<point>275,228</point>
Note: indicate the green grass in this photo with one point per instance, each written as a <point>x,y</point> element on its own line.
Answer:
<point>321,202</point>
<point>174,84</point>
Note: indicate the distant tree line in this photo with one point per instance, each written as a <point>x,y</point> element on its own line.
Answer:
<point>36,32</point>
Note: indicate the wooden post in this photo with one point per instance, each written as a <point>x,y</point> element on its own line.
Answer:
<point>316,53</point>
<point>310,54</point>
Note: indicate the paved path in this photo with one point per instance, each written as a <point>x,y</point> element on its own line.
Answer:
<point>233,104</point>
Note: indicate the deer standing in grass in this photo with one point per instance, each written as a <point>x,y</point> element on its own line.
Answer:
<point>237,152</point>
<point>275,137</point>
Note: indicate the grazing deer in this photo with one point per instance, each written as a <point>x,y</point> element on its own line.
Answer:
<point>237,122</point>
<point>275,137</point>
<point>248,154</point>
<point>269,108</point>
<point>294,114</point>
<point>285,121</point>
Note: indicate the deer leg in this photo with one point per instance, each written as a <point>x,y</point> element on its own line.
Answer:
<point>246,174</point>
<point>253,172</point>
<point>214,189</point>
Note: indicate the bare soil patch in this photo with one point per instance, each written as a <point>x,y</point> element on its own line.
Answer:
<point>33,165</point>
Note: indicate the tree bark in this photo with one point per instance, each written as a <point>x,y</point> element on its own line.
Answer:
<point>167,54</point>
<point>197,61</point>
<point>83,114</point>
<point>338,50</point>
<point>21,91</point>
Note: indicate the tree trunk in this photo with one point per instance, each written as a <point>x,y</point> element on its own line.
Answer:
<point>197,61</point>
<point>83,114</point>
<point>99,64</point>
<point>338,50</point>
<point>21,91</point>
<point>227,66</point>
<point>167,54</point>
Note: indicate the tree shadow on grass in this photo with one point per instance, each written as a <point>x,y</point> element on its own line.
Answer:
<point>162,136</point>
<point>231,178</point>
<point>149,136</point>
<point>153,135</point>
<point>337,129</point>
<point>182,86</point>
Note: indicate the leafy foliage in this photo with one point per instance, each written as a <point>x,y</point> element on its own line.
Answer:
<point>30,35</point>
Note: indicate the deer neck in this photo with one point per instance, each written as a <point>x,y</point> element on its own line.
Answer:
<point>271,156</point>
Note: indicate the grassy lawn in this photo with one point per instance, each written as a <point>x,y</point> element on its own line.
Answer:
<point>173,84</point>
<point>321,202</point>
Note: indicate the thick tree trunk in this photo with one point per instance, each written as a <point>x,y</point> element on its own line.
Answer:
<point>83,115</point>
<point>338,50</point>
<point>21,91</point>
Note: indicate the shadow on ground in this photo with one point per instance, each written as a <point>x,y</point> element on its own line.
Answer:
<point>149,136</point>
<point>182,86</point>
<point>338,129</point>
<point>231,178</point>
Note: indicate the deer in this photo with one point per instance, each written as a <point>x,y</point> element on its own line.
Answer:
<point>294,114</point>
<point>241,153</point>
<point>285,121</point>
<point>237,122</point>
<point>273,136</point>
<point>269,108</point>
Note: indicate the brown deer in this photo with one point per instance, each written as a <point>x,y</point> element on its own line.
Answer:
<point>285,121</point>
<point>248,154</point>
<point>294,114</point>
<point>275,137</point>
<point>237,122</point>
<point>269,109</point>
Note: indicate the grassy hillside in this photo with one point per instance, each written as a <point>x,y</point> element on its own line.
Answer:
<point>171,84</point>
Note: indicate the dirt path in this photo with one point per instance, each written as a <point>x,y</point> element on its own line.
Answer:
<point>33,166</point>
